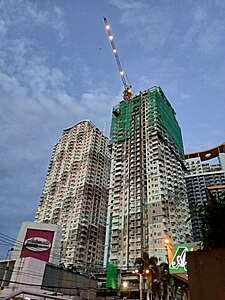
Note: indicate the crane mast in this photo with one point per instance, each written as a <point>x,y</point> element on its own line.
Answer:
<point>127,93</point>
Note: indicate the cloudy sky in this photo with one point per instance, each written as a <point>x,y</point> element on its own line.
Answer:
<point>57,68</point>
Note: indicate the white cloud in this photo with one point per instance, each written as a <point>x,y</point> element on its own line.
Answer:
<point>2,27</point>
<point>34,99</point>
<point>53,18</point>
<point>212,38</point>
<point>19,12</point>
<point>58,22</point>
<point>220,3</point>
<point>200,13</point>
<point>127,4</point>
<point>35,14</point>
<point>149,30</point>
<point>205,34</point>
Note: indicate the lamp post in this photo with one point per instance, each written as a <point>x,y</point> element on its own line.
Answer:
<point>140,287</point>
<point>147,272</point>
<point>167,243</point>
<point>139,273</point>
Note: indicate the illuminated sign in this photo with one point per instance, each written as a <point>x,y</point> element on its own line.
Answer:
<point>37,244</point>
<point>179,261</point>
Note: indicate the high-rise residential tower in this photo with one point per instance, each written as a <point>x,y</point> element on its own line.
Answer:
<point>201,174</point>
<point>148,200</point>
<point>75,194</point>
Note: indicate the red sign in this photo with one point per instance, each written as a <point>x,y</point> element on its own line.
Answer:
<point>37,244</point>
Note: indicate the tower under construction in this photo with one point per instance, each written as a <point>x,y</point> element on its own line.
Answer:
<point>147,196</point>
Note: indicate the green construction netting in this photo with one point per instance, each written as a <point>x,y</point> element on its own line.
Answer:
<point>161,112</point>
<point>112,274</point>
<point>126,118</point>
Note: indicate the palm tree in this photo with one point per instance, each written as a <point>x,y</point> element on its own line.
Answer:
<point>158,277</point>
<point>165,280</point>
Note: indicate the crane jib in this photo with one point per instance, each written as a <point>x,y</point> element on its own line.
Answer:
<point>127,94</point>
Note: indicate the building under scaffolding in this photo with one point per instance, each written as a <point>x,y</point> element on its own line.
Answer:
<point>147,197</point>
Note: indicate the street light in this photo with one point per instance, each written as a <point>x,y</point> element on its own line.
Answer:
<point>169,248</point>
<point>166,241</point>
<point>138,271</point>
<point>126,285</point>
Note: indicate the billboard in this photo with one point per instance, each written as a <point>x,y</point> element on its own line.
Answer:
<point>37,244</point>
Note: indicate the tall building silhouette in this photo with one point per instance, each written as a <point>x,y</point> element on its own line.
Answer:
<point>201,174</point>
<point>147,197</point>
<point>75,193</point>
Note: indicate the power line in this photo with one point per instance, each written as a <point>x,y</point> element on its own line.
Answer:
<point>49,286</point>
<point>18,244</point>
<point>12,240</point>
<point>40,276</point>
<point>15,241</point>
<point>17,247</point>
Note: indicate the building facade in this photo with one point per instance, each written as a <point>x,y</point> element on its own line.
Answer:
<point>147,196</point>
<point>75,194</point>
<point>201,174</point>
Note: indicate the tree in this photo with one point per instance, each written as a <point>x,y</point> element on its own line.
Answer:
<point>212,218</point>
<point>158,276</point>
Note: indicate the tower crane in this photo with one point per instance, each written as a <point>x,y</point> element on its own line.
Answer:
<point>127,93</point>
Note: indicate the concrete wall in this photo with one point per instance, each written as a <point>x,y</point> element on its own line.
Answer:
<point>33,275</point>
<point>206,274</point>
<point>69,283</point>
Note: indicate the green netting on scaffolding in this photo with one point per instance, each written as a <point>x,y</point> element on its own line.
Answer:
<point>112,275</point>
<point>161,112</point>
<point>125,118</point>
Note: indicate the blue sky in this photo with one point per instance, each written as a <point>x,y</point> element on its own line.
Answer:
<point>57,68</point>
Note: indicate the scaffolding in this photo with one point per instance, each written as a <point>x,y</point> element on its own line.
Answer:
<point>126,118</point>
<point>161,112</point>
